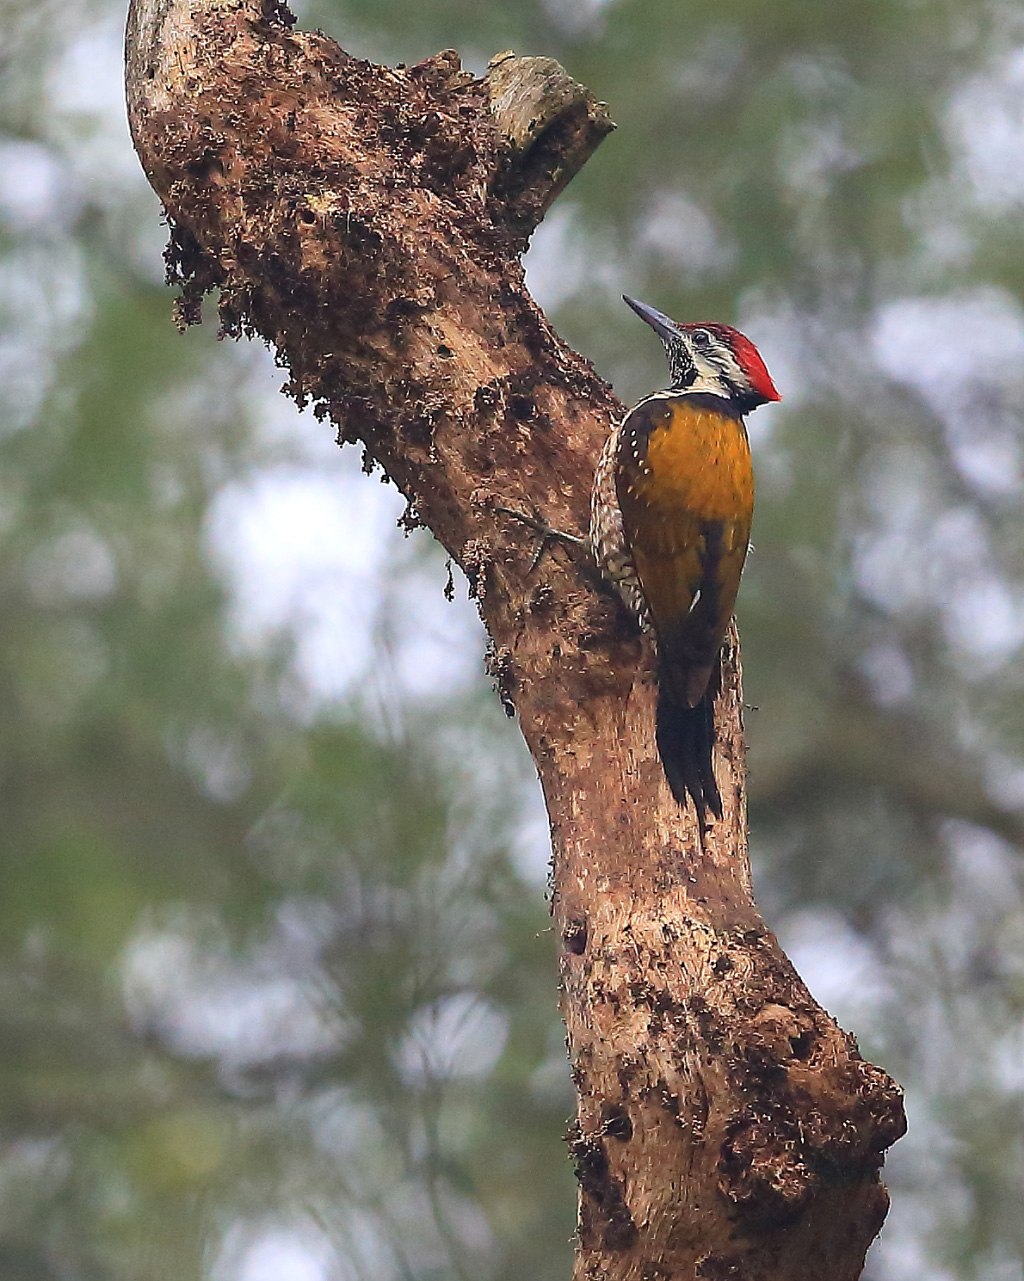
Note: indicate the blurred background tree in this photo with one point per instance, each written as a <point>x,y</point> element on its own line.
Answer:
<point>277,1001</point>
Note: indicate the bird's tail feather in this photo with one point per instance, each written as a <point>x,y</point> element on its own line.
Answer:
<point>686,741</point>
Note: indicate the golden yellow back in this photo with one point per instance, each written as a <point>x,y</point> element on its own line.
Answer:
<point>686,492</point>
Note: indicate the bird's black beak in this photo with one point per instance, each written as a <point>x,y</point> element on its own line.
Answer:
<point>664,326</point>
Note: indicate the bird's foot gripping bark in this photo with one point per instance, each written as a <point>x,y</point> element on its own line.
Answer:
<point>545,533</point>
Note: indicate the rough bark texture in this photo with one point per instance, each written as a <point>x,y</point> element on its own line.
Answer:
<point>368,222</point>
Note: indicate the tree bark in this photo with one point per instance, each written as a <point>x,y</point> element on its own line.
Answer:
<point>367,222</point>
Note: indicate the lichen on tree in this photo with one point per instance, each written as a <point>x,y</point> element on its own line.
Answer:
<point>368,223</point>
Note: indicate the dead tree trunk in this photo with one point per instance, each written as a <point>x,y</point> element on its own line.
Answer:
<point>368,223</point>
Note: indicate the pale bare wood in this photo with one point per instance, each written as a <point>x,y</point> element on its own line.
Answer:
<point>367,222</point>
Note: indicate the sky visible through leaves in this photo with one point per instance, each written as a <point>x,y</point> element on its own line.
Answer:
<point>277,996</point>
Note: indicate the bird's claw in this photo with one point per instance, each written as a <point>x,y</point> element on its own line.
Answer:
<point>543,531</point>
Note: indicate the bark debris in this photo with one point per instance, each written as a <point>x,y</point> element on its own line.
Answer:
<point>368,222</point>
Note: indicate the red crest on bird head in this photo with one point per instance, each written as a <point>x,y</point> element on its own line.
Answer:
<point>747,357</point>
<point>710,357</point>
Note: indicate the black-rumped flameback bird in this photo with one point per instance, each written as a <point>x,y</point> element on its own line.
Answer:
<point>671,509</point>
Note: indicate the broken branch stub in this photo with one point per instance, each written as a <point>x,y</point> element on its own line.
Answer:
<point>368,222</point>
<point>552,123</point>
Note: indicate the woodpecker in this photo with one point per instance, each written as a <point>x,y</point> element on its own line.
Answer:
<point>671,509</point>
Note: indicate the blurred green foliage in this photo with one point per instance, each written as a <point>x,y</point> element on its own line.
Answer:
<point>276,994</point>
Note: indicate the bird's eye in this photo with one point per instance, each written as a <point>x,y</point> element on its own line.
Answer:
<point>701,338</point>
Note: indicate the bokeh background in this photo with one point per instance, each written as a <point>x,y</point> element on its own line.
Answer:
<point>277,996</point>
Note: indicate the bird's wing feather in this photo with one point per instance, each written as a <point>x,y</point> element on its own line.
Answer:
<point>685,492</point>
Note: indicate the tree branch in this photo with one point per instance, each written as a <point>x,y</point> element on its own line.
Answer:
<point>368,222</point>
